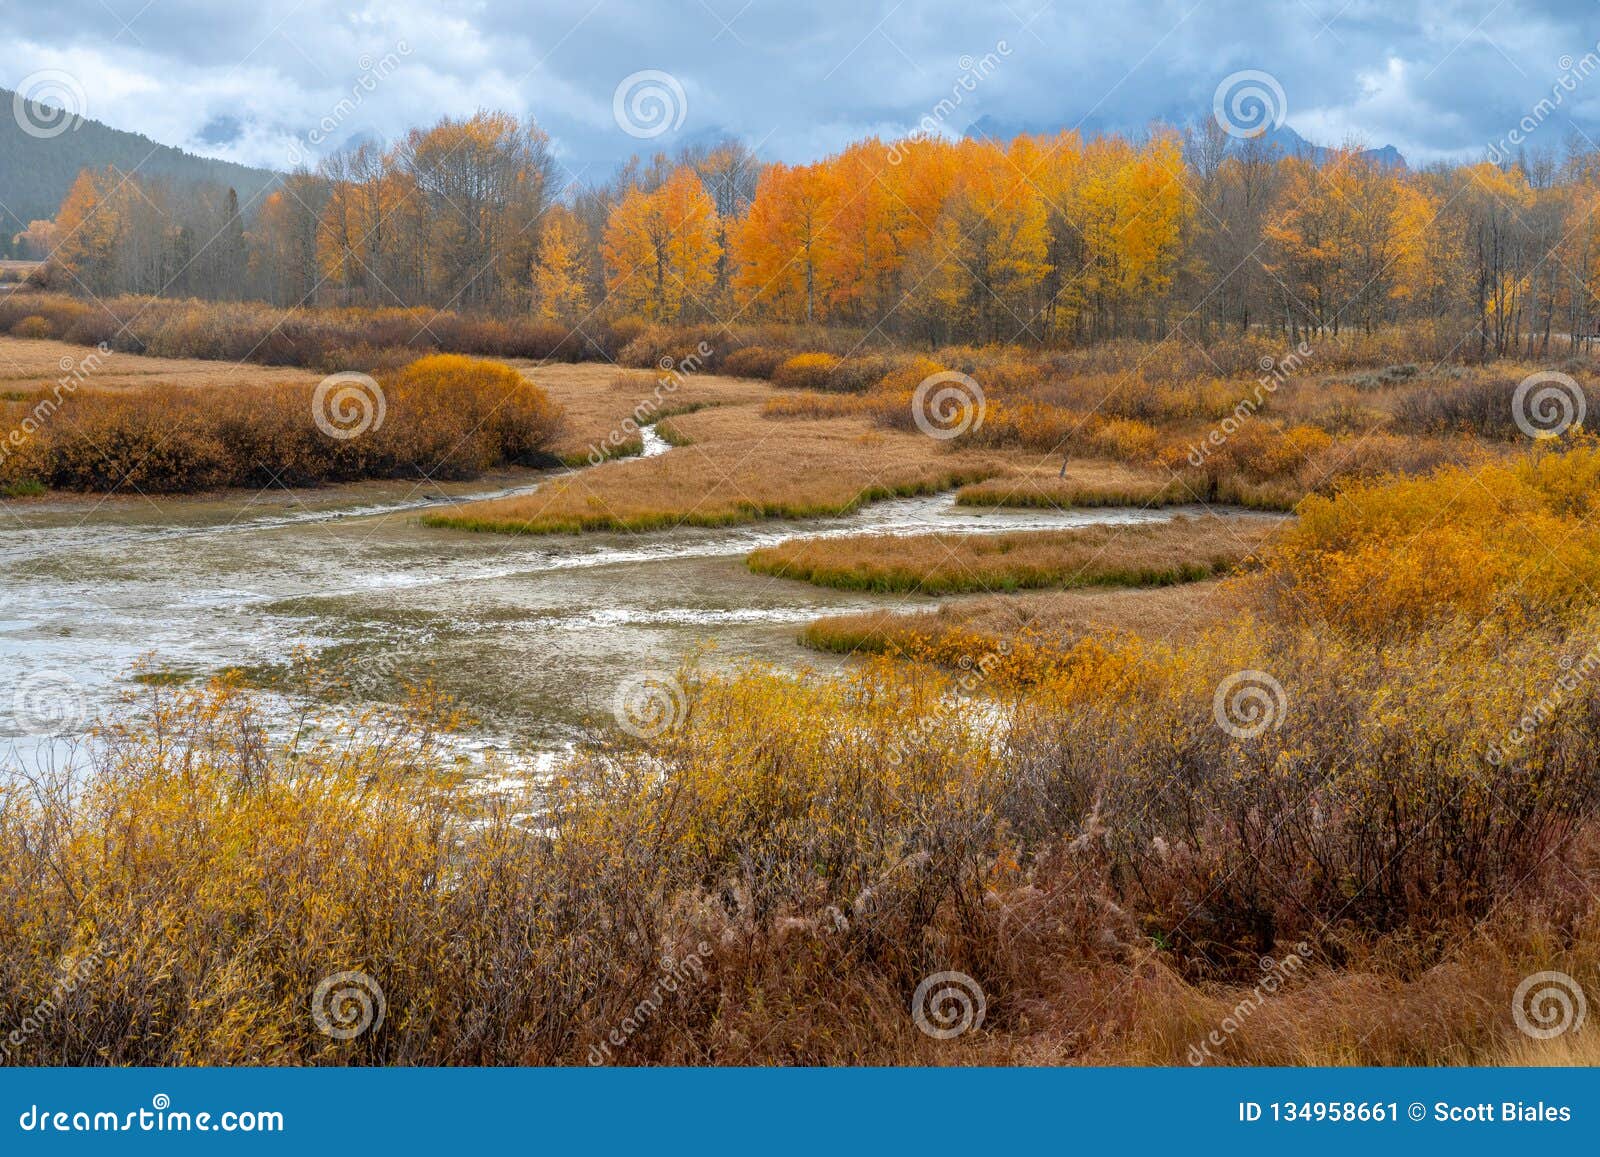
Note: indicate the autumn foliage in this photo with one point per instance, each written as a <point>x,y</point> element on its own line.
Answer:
<point>661,250</point>
<point>1062,814</point>
<point>822,845</point>
<point>1056,240</point>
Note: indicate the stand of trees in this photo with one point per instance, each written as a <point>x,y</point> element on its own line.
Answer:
<point>1040,239</point>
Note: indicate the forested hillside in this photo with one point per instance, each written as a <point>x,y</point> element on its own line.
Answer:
<point>36,172</point>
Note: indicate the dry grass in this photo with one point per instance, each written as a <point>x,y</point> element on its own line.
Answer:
<point>1091,482</point>
<point>736,467</point>
<point>1111,874</point>
<point>1098,850</point>
<point>37,366</point>
<point>1165,441</point>
<point>1374,1011</point>
<point>1142,554</point>
<point>1133,434</point>
<point>325,339</point>
<point>1057,620</point>
<point>603,407</point>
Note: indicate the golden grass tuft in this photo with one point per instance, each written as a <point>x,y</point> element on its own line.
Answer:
<point>1140,554</point>
<point>1032,625</point>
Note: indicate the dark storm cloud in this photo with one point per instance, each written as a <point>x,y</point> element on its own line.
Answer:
<point>285,78</point>
<point>220,130</point>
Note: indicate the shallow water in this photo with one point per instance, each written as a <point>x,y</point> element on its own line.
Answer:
<point>532,633</point>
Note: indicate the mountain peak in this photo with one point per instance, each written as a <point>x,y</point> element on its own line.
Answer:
<point>1281,137</point>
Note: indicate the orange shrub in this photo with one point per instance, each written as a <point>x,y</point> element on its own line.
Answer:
<point>1259,450</point>
<point>907,373</point>
<point>497,414</point>
<point>752,362</point>
<point>445,416</point>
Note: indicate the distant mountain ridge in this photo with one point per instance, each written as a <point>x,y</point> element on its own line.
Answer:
<point>36,172</point>
<point>1282,137</point>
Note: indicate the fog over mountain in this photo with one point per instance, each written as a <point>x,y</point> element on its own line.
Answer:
<point>37,170</point>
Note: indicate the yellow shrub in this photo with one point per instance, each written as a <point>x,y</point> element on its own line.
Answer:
<point>1127,439</point>
<point>805,372</point>
<point>908,374</point>
<point>1035,425</point>
<point>1506,541</point>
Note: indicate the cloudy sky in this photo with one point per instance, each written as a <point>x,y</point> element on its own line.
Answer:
<point>265,81</point>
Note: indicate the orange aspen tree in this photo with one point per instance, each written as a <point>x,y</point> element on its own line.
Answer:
<point>661,251</point>
<point>783,249</point>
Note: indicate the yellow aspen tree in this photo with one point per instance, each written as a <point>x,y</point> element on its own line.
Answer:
<point>560,278</point>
